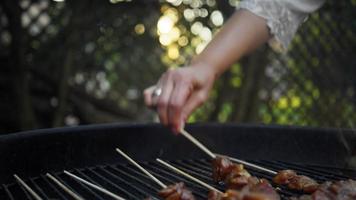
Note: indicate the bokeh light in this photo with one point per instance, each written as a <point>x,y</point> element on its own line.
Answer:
<point>217,18</point>
<point>173,52</point>
<point>165,24</point>
<point>140,29</point>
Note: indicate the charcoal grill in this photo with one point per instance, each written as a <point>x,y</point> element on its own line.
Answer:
<point>89,152</point>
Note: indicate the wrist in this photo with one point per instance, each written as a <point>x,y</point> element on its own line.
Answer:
<point>206,68</point>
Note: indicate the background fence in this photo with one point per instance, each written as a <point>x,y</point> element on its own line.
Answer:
<point>81,62</point>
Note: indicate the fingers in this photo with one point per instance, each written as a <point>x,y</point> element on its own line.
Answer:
<point>179,96</point>
<point>167,84</point>
<point>194,101</point>
<point>147,93</point>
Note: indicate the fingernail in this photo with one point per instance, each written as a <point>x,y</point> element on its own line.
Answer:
<point>182,124</point>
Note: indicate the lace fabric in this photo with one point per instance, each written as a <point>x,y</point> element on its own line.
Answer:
<point>282,21</point>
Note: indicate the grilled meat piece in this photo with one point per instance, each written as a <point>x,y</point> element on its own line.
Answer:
<point>295,181</point>
<point>214,195</point>
<point>232,174</point>
<point>238,182</point>
<point>260,191</point>
<point>222,166</point>
<point>303,183</point>
<point>176,192</point>
<point>228,195</point>
<point>340,190</point>
<point>283,177</point>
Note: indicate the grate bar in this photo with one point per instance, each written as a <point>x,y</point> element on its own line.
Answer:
<point>11,197</point>
<point>143,176</point>
<point>103,190</point>
<point>89,179</point>
<point>66,189</point>
<point>187,175</point>
<point>172,178</point>
<point>112,184</point>
<point>82,185</point>
<point>38,188</point>
<point>22,183</point>
<point>142,182</point>
<point>190,169</point>
<point>141,168</point>
<point>124,182</point>
<point>53,187</point>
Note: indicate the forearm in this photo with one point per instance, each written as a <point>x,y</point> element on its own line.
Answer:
<point>242,33</point>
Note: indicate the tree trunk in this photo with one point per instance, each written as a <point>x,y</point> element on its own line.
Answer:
<point>24,111</point>
<point>247,101</point>
<point>63,90</point>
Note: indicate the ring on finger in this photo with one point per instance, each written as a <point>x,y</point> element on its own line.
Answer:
<point>157,92</point>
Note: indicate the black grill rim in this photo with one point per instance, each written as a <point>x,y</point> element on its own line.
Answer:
<point>75,147</point>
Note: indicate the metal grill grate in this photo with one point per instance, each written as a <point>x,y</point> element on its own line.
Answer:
<point>126,181</point>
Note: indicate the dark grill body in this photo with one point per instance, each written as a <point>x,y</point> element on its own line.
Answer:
<point>89,152</point>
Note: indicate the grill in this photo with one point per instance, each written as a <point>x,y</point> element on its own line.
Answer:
<point>89,153</point>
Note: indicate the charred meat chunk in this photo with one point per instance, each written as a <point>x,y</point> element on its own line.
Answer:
<point>260,191</point>
<point>303,183</point>
<point>295,181</point>
<point>222,167</point>
<point>283,177</point>
<point>340,190</point>
<point>176,192</point>
<point>238,182</point>
<point>234,175</point>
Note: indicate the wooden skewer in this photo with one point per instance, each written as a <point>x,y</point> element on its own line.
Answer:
<point>33,193</point>
<point>251,165</point>
<point>212,155</point>
<point>141,168</point>
<point>187,175</point>
<point>103,190</point>
<point>197,143</point>
<point>65,188</point>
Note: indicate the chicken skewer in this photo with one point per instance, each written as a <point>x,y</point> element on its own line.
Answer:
<point>32,192</point>
<point>236,175</point>
<point>176,191</point>
<point>213,156</point>
<point>65,188</point>
<point>251,165</point>
<point>101,189</point>
<point>259,190</point>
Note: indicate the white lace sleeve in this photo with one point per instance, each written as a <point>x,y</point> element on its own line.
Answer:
<point>283,16</point>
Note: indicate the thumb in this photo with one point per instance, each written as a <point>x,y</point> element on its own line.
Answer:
<point>147,93</point>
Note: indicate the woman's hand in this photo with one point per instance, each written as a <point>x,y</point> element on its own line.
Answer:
<point>182,91</point>
<point>185,89</point>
